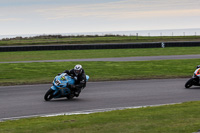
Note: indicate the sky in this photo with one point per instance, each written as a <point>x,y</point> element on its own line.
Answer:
<point>74,16</point>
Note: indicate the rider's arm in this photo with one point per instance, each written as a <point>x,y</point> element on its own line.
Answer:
<point>69,72</point>
<point>66,71</point>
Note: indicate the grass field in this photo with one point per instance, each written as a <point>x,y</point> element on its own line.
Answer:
<point>97,39</point>
<point>31,73</point>
<point>105,53</point>
<point>178,118</point>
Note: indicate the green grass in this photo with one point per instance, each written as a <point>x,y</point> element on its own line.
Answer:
<point>31,73</point>
<point>181,118</point>
<point>92,40</point>
<point>83,54</point>
<point>178,118</point>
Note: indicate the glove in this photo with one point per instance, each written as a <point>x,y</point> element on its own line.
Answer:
<point>74,77</point>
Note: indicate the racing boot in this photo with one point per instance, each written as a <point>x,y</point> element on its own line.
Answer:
<point>77,92</point>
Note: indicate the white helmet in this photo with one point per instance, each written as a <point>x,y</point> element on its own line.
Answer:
<point>78,69</point>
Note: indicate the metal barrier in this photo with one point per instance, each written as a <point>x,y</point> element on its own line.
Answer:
<point>98,46</point>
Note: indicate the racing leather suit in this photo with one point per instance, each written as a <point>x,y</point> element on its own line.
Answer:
<point>80,80</point>
<point>197,72</point>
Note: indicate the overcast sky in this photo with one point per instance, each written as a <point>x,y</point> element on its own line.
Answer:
<point>72,16</point>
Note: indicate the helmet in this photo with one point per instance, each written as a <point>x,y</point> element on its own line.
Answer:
<point>78,69</point>
<point>198,66</point>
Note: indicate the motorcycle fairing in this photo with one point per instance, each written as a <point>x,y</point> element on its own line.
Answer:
<point>197,72</point>
<point>87,77</point>
<point>60,83</point>
<point>61,89</point>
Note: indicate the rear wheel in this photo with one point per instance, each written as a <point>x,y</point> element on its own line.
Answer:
<point>49,95</point>
<point>188,84</point>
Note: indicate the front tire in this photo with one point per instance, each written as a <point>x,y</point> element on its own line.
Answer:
<point>49,95</point>
<point>188,84</point>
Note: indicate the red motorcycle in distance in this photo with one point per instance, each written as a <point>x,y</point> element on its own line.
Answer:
<point>195,80</point>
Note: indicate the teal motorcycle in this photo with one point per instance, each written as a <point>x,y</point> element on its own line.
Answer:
<point>60,87</point>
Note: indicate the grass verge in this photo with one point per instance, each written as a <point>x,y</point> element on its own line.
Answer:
<point>31,73</point>
<point>178,118</point>
<point>84,54</point>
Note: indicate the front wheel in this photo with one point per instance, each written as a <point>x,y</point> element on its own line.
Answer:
<point>188,84</point>
<point>49,95</point>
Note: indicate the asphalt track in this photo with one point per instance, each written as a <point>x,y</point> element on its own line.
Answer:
<point>140,58</point>
<point>26,100</point>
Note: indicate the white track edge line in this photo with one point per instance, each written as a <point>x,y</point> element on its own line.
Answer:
<point>82,112</point>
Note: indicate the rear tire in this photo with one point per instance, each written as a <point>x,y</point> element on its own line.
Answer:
<point>49,95</point>
<point>188,84</point>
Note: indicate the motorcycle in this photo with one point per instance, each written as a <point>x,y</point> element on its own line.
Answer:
<point>60,87</point>
<point>194,80</point>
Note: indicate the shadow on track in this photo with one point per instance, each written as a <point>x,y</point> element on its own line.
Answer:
<point>65,100</point>
<point>193,88</point>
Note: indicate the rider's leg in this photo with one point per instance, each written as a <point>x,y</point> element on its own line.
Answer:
<point>199,79</point>
<point>77,91</point>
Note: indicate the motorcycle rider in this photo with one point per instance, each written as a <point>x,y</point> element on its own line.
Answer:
<point>78,74</point>
<point>198,72</point>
